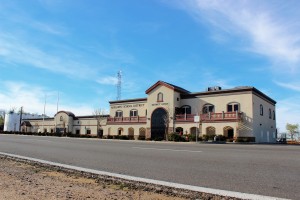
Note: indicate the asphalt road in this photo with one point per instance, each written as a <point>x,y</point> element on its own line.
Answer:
<point>271,170</point>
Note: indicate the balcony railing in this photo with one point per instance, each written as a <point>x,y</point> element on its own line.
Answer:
<point>210,117</point>
<point>114,120</point>
<point>185,118</point>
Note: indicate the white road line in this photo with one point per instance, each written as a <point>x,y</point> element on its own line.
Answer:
<point>145,148</point>
<point>152,181</point>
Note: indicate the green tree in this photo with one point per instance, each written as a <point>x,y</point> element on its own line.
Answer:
<point>292,129</point>
<point>1,122</point>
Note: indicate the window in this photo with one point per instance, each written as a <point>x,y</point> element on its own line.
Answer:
<point>160,97</point>
<point>273,114</point>
<point>185,109</point>
<point>146,112</point>
<point>119,113</point>
<point>88,131</point>
<point>233,107</point>
<point>270,114</point>
<point>77,131</point>
<point>261,110</point>
<point>133,113</point>
<point>61,118</point>
<point>208,108</point>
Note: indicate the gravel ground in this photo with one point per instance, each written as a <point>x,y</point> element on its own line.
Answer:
<point>20,179</point>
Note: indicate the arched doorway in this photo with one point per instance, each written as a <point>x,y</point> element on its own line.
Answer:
<point>120,131</point>
<point>228,132</point>
<point>158,125</point>
<point>131,133</point>
<point>142,134</point>
<point>193,130</point>
<point>179,130</point>
<point>211,131</point>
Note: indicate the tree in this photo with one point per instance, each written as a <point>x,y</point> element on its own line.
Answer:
<point>1,123</point>
<point>167,119</point>
<point>100,118</point>
<point>293,129</point>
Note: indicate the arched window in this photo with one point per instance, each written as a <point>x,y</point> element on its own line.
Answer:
<point>133,113</point>
<point>270,113</point>
<point>273,114</point>
<point>160,97</point>
<point>261,110</point>
<point>119,113</point>
<point>61,118</point>
<point>208,108</point>
<point>186,109</point>
<point>233,107</point>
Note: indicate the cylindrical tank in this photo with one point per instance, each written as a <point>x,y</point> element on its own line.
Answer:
<point>12,122</point>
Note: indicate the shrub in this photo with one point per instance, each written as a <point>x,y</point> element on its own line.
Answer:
<point>245,139</point>
<point>176,137</point>
<point>220,138</point>
<point>109,137</point>
<point>141,137</point>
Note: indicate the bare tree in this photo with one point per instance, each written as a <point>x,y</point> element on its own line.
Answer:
<point>100,117</point>
<point>167,119</point>
<point>292,129</point>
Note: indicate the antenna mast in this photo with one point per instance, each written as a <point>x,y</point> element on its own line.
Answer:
<point>119,85</point>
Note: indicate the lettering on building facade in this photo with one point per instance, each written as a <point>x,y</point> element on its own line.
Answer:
<point>128,106</point>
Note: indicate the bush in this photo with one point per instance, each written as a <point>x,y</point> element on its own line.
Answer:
<point>245,139</point>
<point>141,137</point>
<point>220,138</point>
<point>174,137</point>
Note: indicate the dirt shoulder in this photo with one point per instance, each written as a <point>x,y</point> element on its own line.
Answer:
<point>21,179</point>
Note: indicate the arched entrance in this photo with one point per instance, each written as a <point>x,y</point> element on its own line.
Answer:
<point>179,130</point>
<point>228,132</point>
<point>211,131</point>
<point>131,133</point>
<point>158,125</point>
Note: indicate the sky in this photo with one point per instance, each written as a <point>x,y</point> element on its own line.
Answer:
<point>75,49</point>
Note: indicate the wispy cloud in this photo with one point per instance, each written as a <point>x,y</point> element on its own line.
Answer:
<point>292,86</point>
<point>263,28</point>
<point>18,51</point>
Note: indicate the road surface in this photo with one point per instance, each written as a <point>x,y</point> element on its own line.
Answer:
<point>271,170</point>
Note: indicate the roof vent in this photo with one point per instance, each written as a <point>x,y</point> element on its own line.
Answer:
<point>215,88</point>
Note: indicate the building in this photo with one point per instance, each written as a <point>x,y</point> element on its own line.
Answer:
<point>240,112</point>
<point>66,122</point>
<point>12,120</point>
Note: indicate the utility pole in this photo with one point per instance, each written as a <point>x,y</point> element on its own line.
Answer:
<point>21,111</point>
<point>44,113</point>
<point>119,85</point>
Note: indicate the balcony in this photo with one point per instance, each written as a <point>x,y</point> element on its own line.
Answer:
<point>124,120</point>
<point>211,117</point>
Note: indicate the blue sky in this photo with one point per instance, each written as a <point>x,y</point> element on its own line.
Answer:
<point>77,47</point>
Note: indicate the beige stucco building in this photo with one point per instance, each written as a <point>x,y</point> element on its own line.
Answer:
<point>240,112</point>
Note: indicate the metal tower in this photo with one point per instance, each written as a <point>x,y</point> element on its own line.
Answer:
<point>119,85</point>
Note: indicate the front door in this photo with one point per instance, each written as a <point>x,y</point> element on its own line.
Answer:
<point>158,125</point>
<point>230,133</point>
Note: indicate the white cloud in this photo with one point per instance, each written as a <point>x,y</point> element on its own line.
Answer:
<point>32,98</point>
<point>265,29</point>
<point>288,111</point>
<point>108,80</point>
